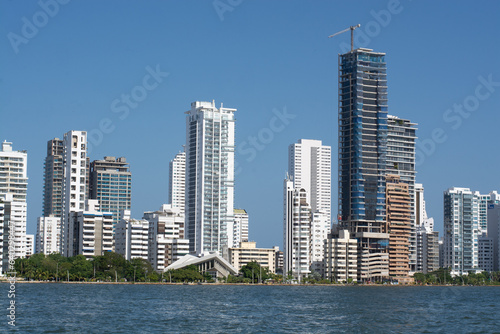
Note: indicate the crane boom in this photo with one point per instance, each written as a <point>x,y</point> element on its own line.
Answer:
<point>340,32</point>
<point>351,28</point>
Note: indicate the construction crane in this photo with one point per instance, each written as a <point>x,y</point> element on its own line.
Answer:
<point>351,28</point>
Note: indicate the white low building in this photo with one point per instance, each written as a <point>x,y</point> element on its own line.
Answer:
<point>91,231</point>
<point>48,235</point>
<point>341,253</point>
<point>131,237</point>
<point>166,236</point>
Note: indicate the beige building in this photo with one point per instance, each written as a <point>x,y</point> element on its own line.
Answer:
<point>398,225</point>
<point>248,252</point>
<point>341,256</point>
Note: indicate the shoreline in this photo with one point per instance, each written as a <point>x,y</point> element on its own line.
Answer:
<point>245,284</point>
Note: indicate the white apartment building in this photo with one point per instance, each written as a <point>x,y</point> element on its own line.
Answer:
<point>427,238</point>
<point>131,237</point>
<point>12,223</point>
<point>296,231</point>
<point>341,254</point>
<point>166,236</point>
<point>92,231</point>
<point>461,230</point>
<point>248,252</point>
<point>13,189</point>
<point>177,181</point>
<point>30,244</point>
<point>13,172</point>
<point>48,235</point>
<point>209,177</point>
<point>320,227</point>
<point>167,251</point>
<point>240,227</point>
<point>74,185</point>
<point>309,165</point>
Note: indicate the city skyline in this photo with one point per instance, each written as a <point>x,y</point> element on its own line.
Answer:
<point>276,102</point>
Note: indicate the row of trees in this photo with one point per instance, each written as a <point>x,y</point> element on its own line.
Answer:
<point>108,267</point>
<point>442,276</point>
<point>112,267</point>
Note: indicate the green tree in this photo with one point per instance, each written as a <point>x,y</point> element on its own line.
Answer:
<point>255,272</point>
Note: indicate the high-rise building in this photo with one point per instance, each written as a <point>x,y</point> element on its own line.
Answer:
<point>398,210</point>
<point>74,186</point>
<point>12,227</point>
<point>13,206</point>
<point>483,200</point>
<point>310,166</point>
<point>110,182</point>
<point>13,172</point>
<point>320,227</point>
<point>494,228</point>
<point>177,181</point>
<point>428,253</point>
<point>401,137</point>
<point>461,229</point>
<point>296,231</point>
<point>48,235</point>
<point>53,179</point>
<point>363,157</point>
<point>209,194</point>
<point>341,256</point>
<point>240,227</point>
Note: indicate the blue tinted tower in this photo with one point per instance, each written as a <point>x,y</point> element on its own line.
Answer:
<point>362,157</point>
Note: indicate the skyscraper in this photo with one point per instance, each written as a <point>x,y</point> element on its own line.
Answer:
<point>310,166</point>
<point>427,238</point>
<point>177,181</point>
<point>296,231</point>
<point>461,228</point>
<point>494,227</point>
<point>240,227</point>
<point>110,182</point>
<point>13,206</point>
<point>398,226</point>
<point>362,157</point>
<point>13,172</point>
<point>74,185</point>
<point>53,179</point>
<point>401,137</point>
<point>209,197</point>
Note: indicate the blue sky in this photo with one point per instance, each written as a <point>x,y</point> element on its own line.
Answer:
<point>71,70</point>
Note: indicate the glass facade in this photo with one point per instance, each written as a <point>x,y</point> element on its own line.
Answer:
<point>209,177</point>
<point>362,136</point>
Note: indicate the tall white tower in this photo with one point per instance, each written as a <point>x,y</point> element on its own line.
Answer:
<point>296,231</point>
<point>177,181</point>
<point>13,207</point>
<point>310,166</point>
<point>209,177</point>
<point>74,186</point>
